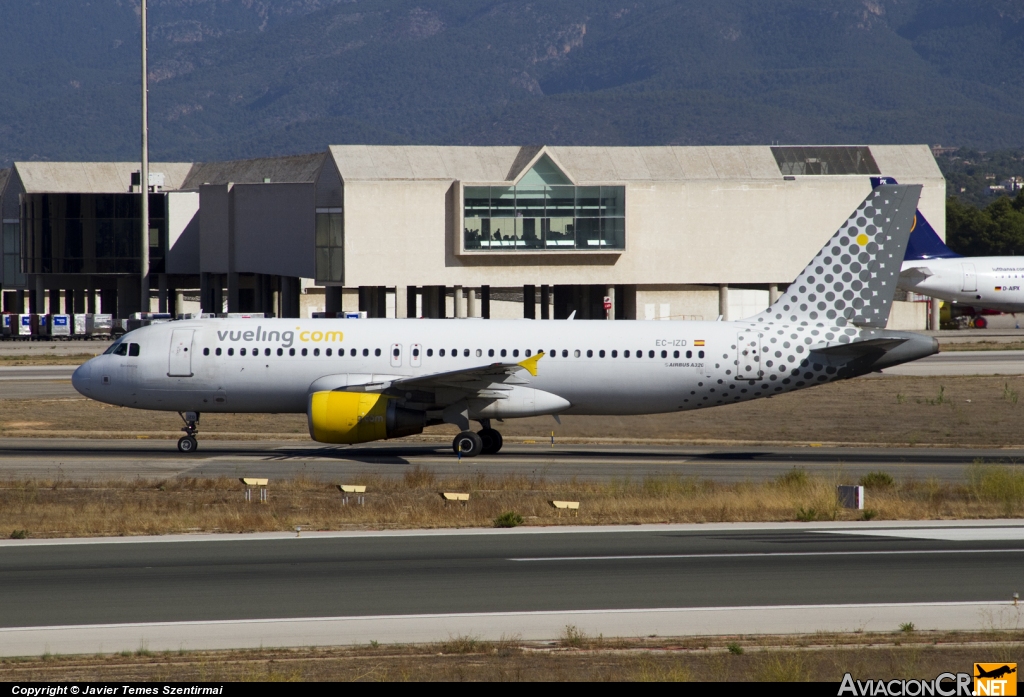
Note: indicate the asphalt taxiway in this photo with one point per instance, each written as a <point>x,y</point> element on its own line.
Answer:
<point>68,458</point>
<point>194,592</point>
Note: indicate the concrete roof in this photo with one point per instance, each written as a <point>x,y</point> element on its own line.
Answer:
<point>93,177</point>
<point>291,169</point>
<point>596,164</point>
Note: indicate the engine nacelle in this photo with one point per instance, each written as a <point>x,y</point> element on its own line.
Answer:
<point>359,417</point>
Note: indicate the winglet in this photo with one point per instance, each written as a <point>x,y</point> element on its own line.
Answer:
<point>531,363</point>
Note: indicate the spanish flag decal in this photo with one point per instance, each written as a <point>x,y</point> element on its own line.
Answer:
<point>698,342</point>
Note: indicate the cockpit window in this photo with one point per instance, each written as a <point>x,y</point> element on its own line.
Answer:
<point>114,347</point>
<point>121,350</point>
<point>133,349</point>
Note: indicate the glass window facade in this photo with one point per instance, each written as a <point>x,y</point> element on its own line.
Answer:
<point>330,245</point>
<point>11,253</point>
<point>825,160</point>
<point>537,217</point>
<point>90,233</point>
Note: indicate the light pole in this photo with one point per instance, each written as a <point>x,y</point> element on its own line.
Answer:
<point>144,175</point>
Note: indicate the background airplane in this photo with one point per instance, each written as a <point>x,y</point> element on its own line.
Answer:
<point>365,380</point>
<point>933,269</point>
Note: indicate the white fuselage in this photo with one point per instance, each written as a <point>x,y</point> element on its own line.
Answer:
<point>995,283</point>
<point>590,367</point>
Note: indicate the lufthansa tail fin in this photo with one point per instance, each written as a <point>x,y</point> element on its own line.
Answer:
<point>852,280</point>
<point>924,242</point>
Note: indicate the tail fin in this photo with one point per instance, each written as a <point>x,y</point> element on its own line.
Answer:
<point>924,242</point>
<point>852,280</point>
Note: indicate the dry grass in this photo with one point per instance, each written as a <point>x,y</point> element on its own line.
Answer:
<point>7,361</point>
<point>38,508</point>
<point>819,657</point>
<point>947,411</point>
<point>980,345</point>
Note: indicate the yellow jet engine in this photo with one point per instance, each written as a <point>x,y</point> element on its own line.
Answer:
<point>359,417</point>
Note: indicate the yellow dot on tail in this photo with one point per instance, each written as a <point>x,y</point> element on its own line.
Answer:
<point>862,239</point>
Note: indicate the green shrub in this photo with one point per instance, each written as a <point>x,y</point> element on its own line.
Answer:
<point>877,480</point>
<point>735,649</point>
<point>795,479</point>
<point>806,515</point>
<point>19,534</point>
<point>997,484</point>
<point>508,519</point>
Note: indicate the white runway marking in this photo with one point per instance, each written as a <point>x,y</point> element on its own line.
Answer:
<point>949,534</point>
<point>747,555</point>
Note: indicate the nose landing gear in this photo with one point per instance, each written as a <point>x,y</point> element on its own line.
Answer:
<point>187,443</point>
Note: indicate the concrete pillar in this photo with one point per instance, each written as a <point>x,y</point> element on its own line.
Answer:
<point>275,296</point>
<point>401,302</point>
<point>459,307</point>
<point>610,294</point>
<point>485,302</point>
<point>773,293</point>
<point>161,284</point>
<point>529,302</point>
<point>90,298</point>
<point>332,300</point>
<point>472,310</point>
<point>723,301</point>
<point>179,302</point>
<point>233,304</point>
<point>545,302</point>
<point>39,299</point>
<point>934,307</point>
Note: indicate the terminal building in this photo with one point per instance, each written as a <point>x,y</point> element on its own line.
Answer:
<point>540,232</point>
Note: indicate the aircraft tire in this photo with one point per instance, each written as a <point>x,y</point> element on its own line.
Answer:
<point>187,444</point>
<point>492,441</point>
<point>468,444</point>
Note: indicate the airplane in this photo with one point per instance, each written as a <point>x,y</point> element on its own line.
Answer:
<point>372,379</point>
<point>933,269</point>
<point>995,672</point>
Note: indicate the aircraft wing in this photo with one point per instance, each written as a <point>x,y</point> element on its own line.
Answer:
<point>472,380</point>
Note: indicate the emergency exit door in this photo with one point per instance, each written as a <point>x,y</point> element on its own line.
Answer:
<point>970,279</point>
<point>748,356</point>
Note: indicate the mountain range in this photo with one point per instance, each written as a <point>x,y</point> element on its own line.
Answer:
<point>243,78</point>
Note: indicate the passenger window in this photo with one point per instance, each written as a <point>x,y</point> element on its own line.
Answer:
<point>689,354</point>
<point>479,353</point>
<point>217,352</point>
<point>504,353</point>
<point>590,354</point>
<point>455,353</point>
<point>316,352</point>
<point>465,352</point>
<point>376,352</point>
<point>639,354</point>
<point>305,352</point>
<point>576,353</point>
<point>490,352</point>
<point>206,352</point>
<point>565,353</point>
<point>650,354</point>
<point>625,354</point>
<point>291,352</point>
<point>241,352</point>
<point>430,352</point>
<point>664,354</point>
<point>366,352</point>
<point>600,354</point>
<point>554,353</point>
<point>394,352</point>
<point>415,353</point>
<point>352,353</point>
<point>527,353</point>
<point>675,354</point>
<point>700,354</point>
<point>231,352</point>
<point>121,350</point>
<point>440,352</point>
<point>615,354</point>
<point>515,353</point>
<point>266,352</point>
<point>255,352</point>
<point>280,352</point>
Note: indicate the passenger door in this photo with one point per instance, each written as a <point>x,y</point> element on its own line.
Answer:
<point>970,279</point>
<point>415,355</point>
<point>748,356</point>
<point>179,364</point>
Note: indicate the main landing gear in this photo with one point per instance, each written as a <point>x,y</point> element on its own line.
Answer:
<point>486,441</point>
<point>187,443</point>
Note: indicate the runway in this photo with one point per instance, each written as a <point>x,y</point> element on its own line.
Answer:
<point>69,458</point>
<point>652,579</point>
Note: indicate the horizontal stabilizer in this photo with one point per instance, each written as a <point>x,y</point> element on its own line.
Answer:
<point>860,348</point>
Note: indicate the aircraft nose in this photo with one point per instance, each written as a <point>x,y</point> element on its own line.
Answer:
<point>81,379</point>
